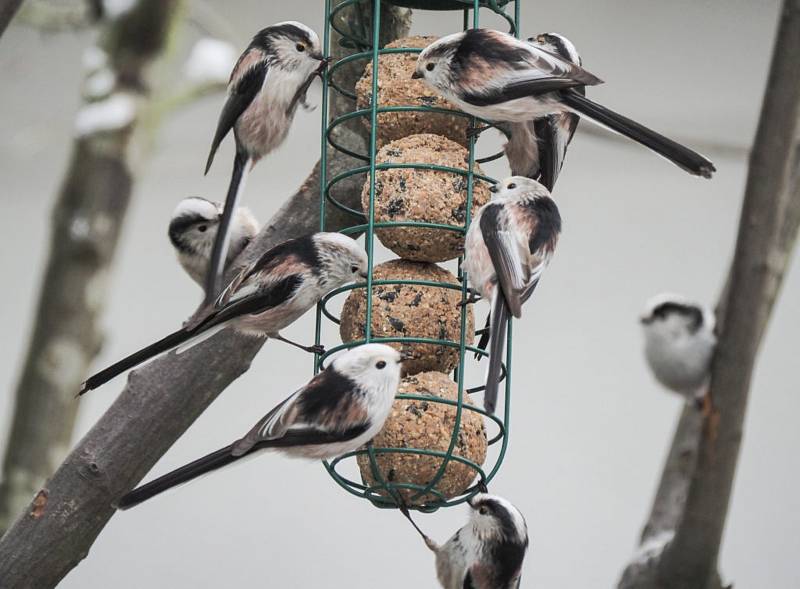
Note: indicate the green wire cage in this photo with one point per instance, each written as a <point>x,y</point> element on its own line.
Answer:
<point>381,492</point>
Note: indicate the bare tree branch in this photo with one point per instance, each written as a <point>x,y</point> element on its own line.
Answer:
<point>681,542</point>
<point>86,223</point>
<point>160,401</point>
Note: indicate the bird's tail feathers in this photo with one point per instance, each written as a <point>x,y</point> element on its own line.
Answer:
<point>180,476</point>
<point>163,345</point>
<point>200,337</point>
<point>497,338</point>
<point>682,156</point>
<point>219,252</point>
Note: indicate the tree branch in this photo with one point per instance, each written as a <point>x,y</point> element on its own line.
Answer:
<point>695,489</point>
<point>160,401</point>
<point>8,8</point>
<point>86,222</point>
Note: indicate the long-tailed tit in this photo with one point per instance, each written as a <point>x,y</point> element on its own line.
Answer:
<point>492,75</point>
<point>192,230</point>
<point>270,79</point>
<point>536,149</point>
<point>508,245</point>
<point>270,294</point>
<point>338,411</point>
<point>488,552</point>
<point>679,343</point>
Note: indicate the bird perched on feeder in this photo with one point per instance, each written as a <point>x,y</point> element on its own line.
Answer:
<point>268,81</point>
<point>488,552</point>
<point>537,148</point>
<point>494,76</point>
<point>192,230</point>
<point>338,411</point>
<point>268,295</point>
<point>679,344</point>
<point>508,245</point>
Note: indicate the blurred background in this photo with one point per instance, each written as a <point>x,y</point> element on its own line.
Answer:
<point>590,428</point>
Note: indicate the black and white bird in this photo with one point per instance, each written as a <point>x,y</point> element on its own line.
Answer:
<point>268,81</point>
<point>488,552</point>
<point>679,344</point>
<point>338,411</point>
<point>494,76</point>
<point>268,295</point>
<point>507,248</point>
<point>192,230</point>
<point>537,148</point>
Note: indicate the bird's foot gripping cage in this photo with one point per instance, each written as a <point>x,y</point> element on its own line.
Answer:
<point>446,417</point>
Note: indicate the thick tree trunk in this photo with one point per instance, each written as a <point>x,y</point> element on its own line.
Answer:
<point>681,542</point>
<point>158,404</point>
<point>86,224</point>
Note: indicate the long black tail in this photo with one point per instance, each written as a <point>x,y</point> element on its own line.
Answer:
<point>689,160</point>
<point>497,339</point>
<point>184,474</point>
<point>216,266</point>
<point>151,351</point>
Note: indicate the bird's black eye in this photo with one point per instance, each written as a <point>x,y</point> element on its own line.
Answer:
<point>380,365</point>
<point>202,228</point>
<point>430,67</point>
<point>300,47</point>
<point>354,268</point>
<point>512,186</point>
<point>483,511</point>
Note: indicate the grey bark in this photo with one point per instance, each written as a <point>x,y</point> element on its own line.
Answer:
<point>160,401</point>
<point>8,8</point>
<point>86,222</point>
<point>695,489</point>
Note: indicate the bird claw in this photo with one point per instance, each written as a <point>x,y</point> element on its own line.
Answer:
<point>475,132</point>
<point>314,349</point>
<point>472,298</point>
<point>705,404</point>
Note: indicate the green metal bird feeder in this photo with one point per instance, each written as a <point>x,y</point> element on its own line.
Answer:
<point>381,490</point>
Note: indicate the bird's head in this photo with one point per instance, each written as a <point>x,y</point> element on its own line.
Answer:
<point>343,260</point>
<point>193,225</point>
<point>371,366</point>
<point>673,315</point>
<point>434,62</point>
<point>557,45</point>
<point>518,187</point>
<point>495,518</point>
<point>293,47</point>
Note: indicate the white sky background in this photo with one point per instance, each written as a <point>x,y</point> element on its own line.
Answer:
<point>590,428</point>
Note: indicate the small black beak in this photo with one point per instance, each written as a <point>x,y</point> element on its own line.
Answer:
<point>323,64</point>
<point>493,188</point>
<point>416,75</point>
<point>645,320</point>
<point>363,275</point>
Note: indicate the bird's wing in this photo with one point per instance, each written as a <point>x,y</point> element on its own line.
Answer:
<point>303,412</point>
<point>553,134</point>
<point>507,255</point>
<point>522,149</point>
<point>505,68</point>
<point>247,79</point>
<point>290,258</point>
<point>268,295</point>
